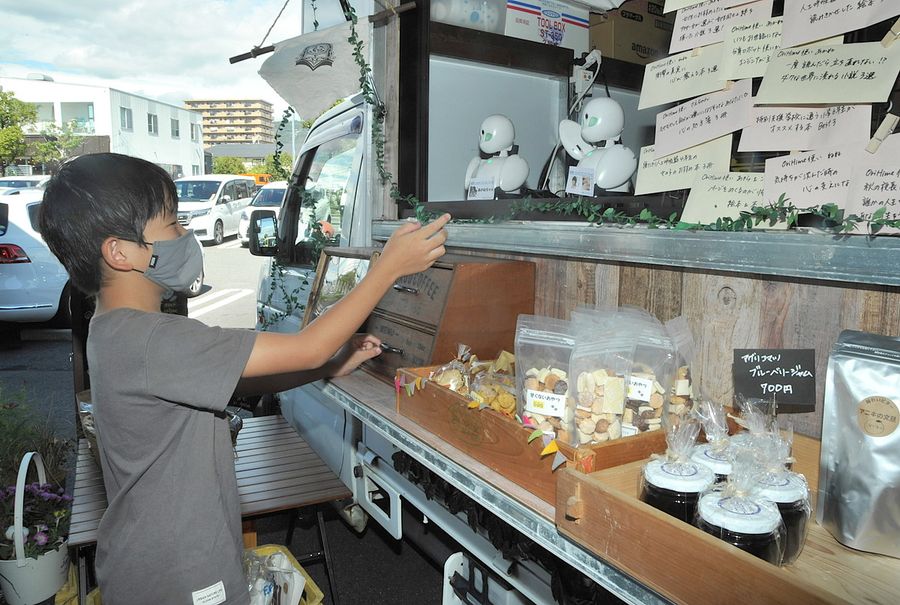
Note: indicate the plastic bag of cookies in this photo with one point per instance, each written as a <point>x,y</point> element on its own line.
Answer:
<point>651,377</point>
<point>684,394</point>
<point>543,348</point>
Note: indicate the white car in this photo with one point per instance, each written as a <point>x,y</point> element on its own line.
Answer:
<point>34,286</point>
<point>212,204</point>
<point>25,182</point>
<point>269,197</point>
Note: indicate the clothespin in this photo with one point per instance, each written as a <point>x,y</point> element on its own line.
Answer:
<point>892,35</point>
<point>888,124</point>
<point>728,84</point>
<point>391,11</point>
<point>696,52</point>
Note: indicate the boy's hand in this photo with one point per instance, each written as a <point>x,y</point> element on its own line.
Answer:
<point>414,247</point>
<point>358,349</point>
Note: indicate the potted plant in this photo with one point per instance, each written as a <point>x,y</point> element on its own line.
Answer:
<point>34,557</point>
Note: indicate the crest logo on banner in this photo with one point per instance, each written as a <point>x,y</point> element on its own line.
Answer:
<point>316,55</point>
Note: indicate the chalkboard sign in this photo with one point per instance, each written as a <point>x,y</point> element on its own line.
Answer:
<point>787,375</point>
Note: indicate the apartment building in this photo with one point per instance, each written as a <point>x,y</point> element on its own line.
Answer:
<point>235,120</point>
<point>162,133</point>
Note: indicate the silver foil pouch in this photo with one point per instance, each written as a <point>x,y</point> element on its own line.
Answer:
<point>859,475</point>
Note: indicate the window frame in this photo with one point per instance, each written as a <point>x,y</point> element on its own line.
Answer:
<point>175,128</point>
<point>126,119</point>
<point>152,124</point>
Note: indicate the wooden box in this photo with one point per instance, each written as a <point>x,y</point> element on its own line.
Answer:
<point>501,443</point>
<point>423,317</point>
<point>601,511</point>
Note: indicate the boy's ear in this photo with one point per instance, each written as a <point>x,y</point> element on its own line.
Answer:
<point>117,254</point>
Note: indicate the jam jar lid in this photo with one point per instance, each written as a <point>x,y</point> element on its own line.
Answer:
<point>783,487</point>
<point>679,476</point>
<point>740,515</point>
<point>716,460</point>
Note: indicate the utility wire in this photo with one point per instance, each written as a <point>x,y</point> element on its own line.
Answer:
<point>273,23</point>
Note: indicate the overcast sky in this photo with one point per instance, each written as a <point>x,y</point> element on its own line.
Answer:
<point>163,49</point>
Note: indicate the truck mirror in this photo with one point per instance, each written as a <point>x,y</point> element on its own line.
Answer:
<point>263,233</point>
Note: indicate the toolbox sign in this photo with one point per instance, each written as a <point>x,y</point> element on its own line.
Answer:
<point>787,376</point>
<point>548,21</point>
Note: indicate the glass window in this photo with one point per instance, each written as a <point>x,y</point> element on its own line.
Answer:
<point>152,123</point>
<point>82,114</point>
<point>195,170</point>
<point>175,126</point>
<point>45,113</point>
<point>327,185</point>
<point>126,121</point>
<point>230,191</point>
<point>196,191</point>
<point>268,198</point>
<point>240,189</point>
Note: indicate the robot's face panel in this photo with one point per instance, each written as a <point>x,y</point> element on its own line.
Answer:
<point>497,134</point>
<point>603,120</point>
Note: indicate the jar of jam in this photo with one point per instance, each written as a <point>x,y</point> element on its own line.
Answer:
<point>675,487</point>
<point>790,493</point>
<point>715,459</point>
<point>751,524</point>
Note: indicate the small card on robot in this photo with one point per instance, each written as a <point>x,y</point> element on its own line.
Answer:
<point>580,181</point>
<point>481,189</point>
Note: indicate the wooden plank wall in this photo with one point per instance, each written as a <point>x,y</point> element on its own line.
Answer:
<point>725,311</point>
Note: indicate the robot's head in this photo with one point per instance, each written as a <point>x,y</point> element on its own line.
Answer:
<point>497,134</point>
<point>602,119</point>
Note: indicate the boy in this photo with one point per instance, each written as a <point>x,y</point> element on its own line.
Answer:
<point>172,533</point>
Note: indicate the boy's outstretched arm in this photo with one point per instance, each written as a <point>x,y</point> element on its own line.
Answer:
<point>358,349</point>
<point>411,249</point>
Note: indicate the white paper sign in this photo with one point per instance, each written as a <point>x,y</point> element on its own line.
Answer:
<point>679,170</point>
<point>709,22</point>
<point>639,389</point>
<point>703,119</point>
<point>809,179</point>
<point>807,20</point>
<point>546,404</point>
<point>580,181</point>
<point>681,76</point>
<point>875,183</point>
<point>847,73</point>
<point>715,196</point>
<point>674,5</point>
<point>803,128</point>
<point>481,189</point>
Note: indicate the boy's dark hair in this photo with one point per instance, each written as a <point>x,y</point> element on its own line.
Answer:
<point>97,196</point>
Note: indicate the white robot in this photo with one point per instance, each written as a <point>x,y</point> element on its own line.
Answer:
<point>504,166</point>
<point>611,162</point>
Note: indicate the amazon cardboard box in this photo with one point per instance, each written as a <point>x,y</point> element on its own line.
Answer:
<point>638,32</point>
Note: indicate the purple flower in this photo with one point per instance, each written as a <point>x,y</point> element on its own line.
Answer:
<point>41,538</point>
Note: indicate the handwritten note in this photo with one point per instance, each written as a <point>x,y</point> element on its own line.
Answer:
<point>679,170</point>
<point>703,119</point>
<point>674,5</point>
<point>715,196</point>
<point>709,22</point>
<point>787,376</point>
<point>748,48</point>
<point>816,19</point>
<point>876,183</point>
<point>812,178</point>
<point>851,73</point>
<point>682,76</point>
<point>803,128</point>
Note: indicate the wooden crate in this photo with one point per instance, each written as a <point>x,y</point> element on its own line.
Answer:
<point>501,443</point>
<point>687,565</point>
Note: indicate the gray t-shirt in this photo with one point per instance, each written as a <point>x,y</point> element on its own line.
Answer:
<point>172,531</point>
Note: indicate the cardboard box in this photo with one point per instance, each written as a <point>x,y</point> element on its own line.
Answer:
<point>549,21</point>
<point>501,443</point>
<point>638,32</point>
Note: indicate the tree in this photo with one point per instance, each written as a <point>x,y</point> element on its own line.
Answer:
<point>227,165</point>
<point>57,145</point>
<point>285,165</point>
<point>14,115</point>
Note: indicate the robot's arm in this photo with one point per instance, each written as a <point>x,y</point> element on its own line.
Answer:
<point>471,170</point>
<point>616,167</point>
<point>513,174</point>
<point>571,139</point>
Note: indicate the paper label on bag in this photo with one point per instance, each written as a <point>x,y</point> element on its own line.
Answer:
<point>629,430</point>
<point>211,595</point>
<point>639,389</point>
<point>481,189</point>
<point>546,404</point>
<point>878,416</point>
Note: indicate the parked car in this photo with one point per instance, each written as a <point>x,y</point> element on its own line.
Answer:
<point>25,182</point>
<point>211,204</point>
<point>34,286</point>
<point>269,196</point>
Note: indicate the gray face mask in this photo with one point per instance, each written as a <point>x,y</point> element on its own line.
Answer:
<point>175,263</point>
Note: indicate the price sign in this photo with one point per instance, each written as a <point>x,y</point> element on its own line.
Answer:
<point>786,375</point>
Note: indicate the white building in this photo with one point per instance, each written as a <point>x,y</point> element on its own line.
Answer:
<point>165,134</point>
